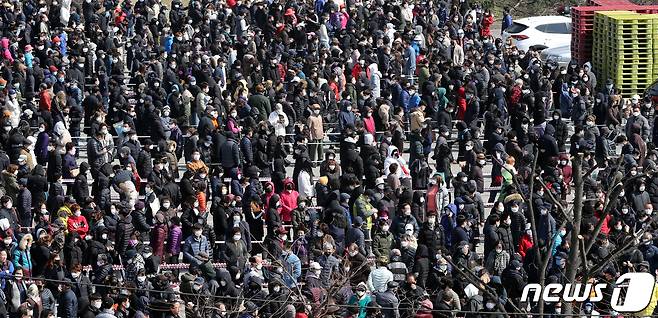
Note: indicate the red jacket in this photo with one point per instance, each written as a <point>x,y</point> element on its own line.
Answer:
<point>369,124</point>
<point>158,237</point>
<point>44,100</point>
<point>288,200</point>
<point>266,197</point>
<point>461,103</point>
<point>78,224</point>
<point>356,70</point>
<point>486,26</point>
<point>515,95</point>
<point>605,227</point>
<point>524,245</point>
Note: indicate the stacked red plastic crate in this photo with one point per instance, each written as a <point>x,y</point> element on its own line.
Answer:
<point>653,9</point>
<point>582,24</point>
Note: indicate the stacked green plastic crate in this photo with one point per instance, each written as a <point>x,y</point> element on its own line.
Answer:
<point>624,49</point>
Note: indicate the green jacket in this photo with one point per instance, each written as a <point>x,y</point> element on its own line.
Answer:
<point>262,103</point>
<point>382,243</point>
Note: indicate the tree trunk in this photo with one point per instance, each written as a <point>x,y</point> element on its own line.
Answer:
<point>573,261</point>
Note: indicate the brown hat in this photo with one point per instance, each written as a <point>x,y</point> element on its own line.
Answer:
<point>481,156</point>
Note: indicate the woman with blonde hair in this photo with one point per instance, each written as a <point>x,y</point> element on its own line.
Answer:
<point>34,299</point>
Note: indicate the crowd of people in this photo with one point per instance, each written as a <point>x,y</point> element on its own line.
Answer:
<point>357,159</point>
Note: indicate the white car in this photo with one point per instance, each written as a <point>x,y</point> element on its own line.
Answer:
<point>543,31</point>
<point>561,55</point>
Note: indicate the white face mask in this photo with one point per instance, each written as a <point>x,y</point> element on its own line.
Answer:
<point>237,237</point>
<point>104,236</point>
<point>642,188</point>
<point>75,275</point>
<point>141,279</point>
<point>515,209</point>
<point>97,304</point>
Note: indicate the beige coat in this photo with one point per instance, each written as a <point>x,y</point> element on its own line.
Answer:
<point>315,127</point>
<point>417,120</point>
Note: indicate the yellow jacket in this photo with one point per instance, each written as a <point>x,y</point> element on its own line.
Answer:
<point>647,312</point>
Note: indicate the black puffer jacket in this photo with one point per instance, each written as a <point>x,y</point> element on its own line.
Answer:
<point>38,185</point>
<point>505,236</point>
<point>273,217</point>
<point>433,238</point>
<point>125,229</point>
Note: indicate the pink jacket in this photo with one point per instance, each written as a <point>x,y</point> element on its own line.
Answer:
<point>288,200</point>
<point>6,54</point>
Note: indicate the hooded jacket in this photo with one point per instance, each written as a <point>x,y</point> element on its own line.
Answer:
<point>403,169</point>
<point>288,200</point>
<point>345,117</point>
<point>273,217</point>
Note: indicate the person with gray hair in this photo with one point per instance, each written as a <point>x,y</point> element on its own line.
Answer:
<point>329,264</point>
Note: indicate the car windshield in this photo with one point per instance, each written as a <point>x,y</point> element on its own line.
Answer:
<point>516,28</point>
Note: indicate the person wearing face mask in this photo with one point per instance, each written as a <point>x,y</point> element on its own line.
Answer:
<point>275,302</point>
<point>400,222</point>
<point>360,300</point>
<point>497,259</point>
<point>236,252</point>
<point>158,235</point>
<point>637,119</point>
<point>316,129</point>
<point>68,301</point>
<point>256,271</point>
<point>546,224</point>
<point>81,285</point>
<point>195,244</point>
<point>382,241</point>
<point>300,216</point>
<point>278,118</point>
<point>346,117</point>
<point>640,197</point>
<point>432,234</point>
<point>77,222</point>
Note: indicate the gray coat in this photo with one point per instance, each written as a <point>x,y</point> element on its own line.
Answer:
<point>329,266</point>
<point>390,304</point>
